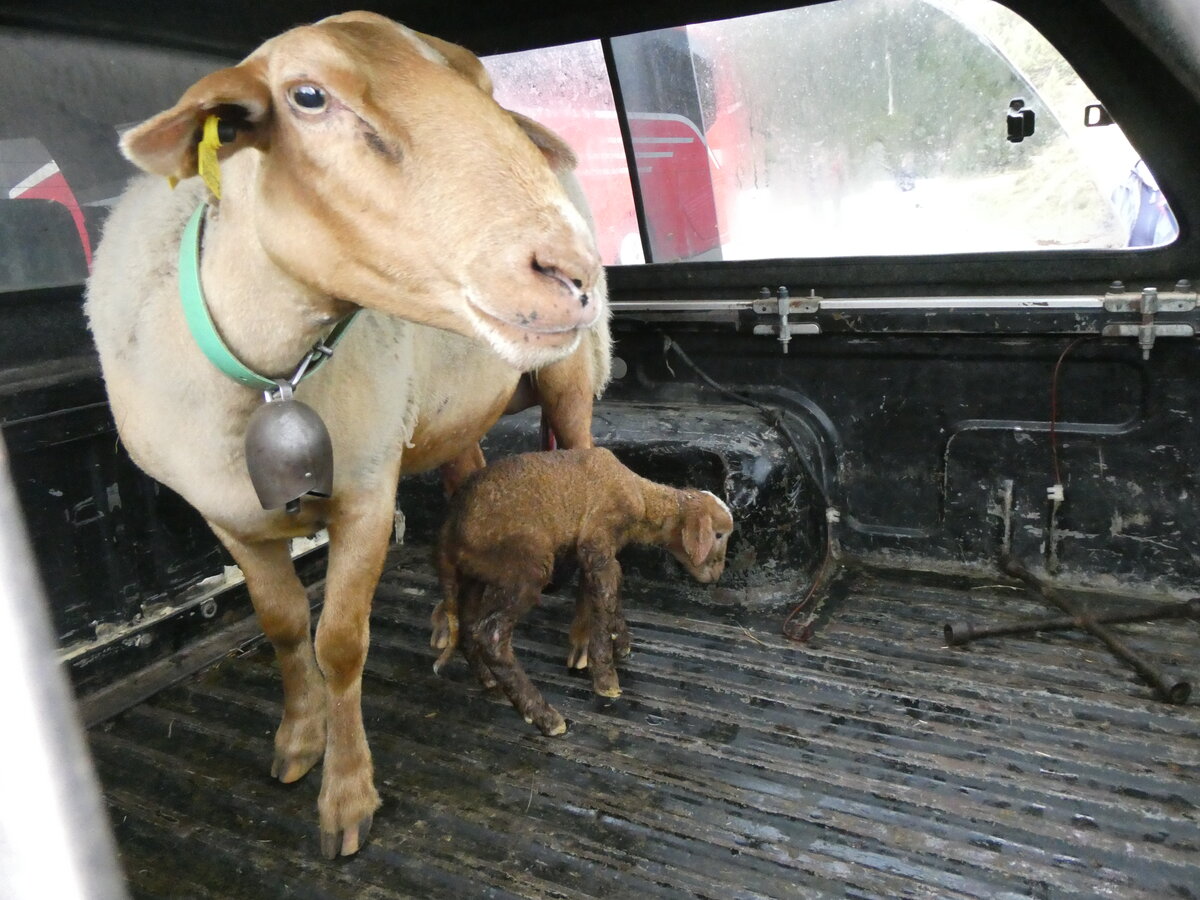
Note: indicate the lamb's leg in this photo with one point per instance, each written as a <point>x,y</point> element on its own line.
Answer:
<point>581,629</point>
<point>599,587</point>
<point>619,630</point>
<point>471,611</point>
<point>493,634</point>
<point>282,607</point>
<point>444,633</point>
<point>358,540</point>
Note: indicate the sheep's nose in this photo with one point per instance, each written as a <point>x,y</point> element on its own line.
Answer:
<point>573,286</point>
<point>575,268</point>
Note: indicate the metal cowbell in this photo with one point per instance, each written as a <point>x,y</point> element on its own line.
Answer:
<point>288,451</point>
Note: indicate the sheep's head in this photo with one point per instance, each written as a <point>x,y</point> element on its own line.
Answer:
<point>702,535</point>
<point>380,171</point>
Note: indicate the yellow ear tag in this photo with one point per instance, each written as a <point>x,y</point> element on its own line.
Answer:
<point>206,156</point>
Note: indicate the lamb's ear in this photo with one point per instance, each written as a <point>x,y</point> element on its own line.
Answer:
<point>557,152</point>
<point>461,60</point>
<point>166,144</point>
<point>698,537</point>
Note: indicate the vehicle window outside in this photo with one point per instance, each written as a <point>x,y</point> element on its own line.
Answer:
<point>62,104</point>
<point>852,128</point>
<point>874,127</point>
<point>567,89</point>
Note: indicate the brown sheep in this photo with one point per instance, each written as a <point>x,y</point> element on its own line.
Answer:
<point>361,165</point>
<point>504,529</point>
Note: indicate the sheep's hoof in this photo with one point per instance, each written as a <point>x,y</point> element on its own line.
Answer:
<point>577,658</point>
<point>347,842</point>
<point>289,767</point>
<point>610,692</point>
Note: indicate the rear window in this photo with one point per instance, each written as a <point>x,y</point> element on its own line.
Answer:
<point>851,128</point>
<point>847,128</point>
<point>63,103</point>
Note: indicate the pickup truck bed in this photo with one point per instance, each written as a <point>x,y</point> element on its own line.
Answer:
<point>871,762</point>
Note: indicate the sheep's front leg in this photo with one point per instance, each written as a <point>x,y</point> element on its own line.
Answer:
<point>598,619</point>
<point>564,389</point>
<point>358,541</point>
<point>455,472</point>
<point>492,634</point>
<point>282,607</point>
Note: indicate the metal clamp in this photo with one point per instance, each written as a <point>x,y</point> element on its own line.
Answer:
<point>1148,304</point>
<point>783,306</point>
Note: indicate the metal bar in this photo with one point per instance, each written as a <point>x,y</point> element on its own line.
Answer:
<point>680,305</point>
<point>1169,687</point>
<point>1014,303</point>
<point>54,834</point>
<point>959,633</point>
<point>639,207</point>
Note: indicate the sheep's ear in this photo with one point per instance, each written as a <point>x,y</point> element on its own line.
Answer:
<point>698,537</point>
<point>560,156</point>
<point>461,60</point>
<point>166,144</point>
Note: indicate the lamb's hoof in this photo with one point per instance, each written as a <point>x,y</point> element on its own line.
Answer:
<point>621,644</point>
<point>444,628</point>
<point>605,684</point>
<point>289,767</point>
<point>577,658</point>
<point>549,723</point>
<point>440,663</point>
<point>346,842</point>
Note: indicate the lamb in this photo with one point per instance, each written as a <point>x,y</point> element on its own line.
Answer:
<point>349,165</point>
<point>496,551</point>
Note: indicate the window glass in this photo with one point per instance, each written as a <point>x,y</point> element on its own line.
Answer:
<point>62,103</point>
<point>567,90</point>
<point>874,127</point>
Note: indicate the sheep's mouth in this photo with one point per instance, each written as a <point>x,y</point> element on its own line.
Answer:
<point>526,332</point>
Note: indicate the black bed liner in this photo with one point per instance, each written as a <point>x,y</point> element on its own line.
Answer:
<point>873,761</point>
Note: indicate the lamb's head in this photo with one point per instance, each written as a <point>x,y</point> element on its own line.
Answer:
<point>380,171</point>
<point>702,534</point>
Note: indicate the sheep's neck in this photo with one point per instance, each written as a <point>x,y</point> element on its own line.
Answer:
<point>266,318</point>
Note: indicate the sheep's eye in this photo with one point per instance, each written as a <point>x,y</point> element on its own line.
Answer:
<point>719,535</point>
<point>309,97</point>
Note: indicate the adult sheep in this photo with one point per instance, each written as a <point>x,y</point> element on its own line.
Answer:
<point>362,165</point>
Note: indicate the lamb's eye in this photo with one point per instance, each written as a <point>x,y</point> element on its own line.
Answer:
<point>309,97</point>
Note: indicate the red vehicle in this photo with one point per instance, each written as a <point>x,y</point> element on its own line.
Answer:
<point>687,130</point>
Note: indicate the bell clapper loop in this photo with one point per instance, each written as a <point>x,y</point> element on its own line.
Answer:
<point>283,390</point>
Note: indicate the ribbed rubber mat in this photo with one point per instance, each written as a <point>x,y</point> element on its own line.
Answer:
<point>872,762</point>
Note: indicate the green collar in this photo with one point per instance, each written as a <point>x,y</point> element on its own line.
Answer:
<point>204,330</point>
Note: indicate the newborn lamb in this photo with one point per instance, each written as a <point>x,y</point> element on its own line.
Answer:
<point>497,548</point>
